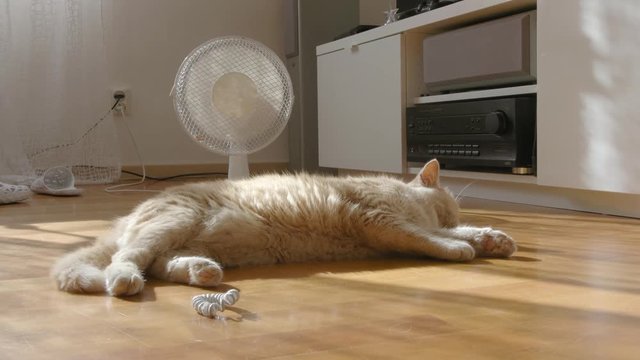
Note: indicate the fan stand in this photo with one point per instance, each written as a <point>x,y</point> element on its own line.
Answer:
<point>238,167</point>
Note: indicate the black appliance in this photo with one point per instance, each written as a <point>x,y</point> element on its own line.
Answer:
<point>479,134</point>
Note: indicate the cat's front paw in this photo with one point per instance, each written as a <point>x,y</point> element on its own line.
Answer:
<point>495,243</point>
<point>460,251</point>
<point>123,279</point>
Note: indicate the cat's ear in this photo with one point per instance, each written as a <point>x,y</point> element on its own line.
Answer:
<point>429,176</point>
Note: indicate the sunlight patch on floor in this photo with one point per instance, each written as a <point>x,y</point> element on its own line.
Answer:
<point>64,232</point>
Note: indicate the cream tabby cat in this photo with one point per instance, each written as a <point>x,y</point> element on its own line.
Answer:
<point>188,233</point>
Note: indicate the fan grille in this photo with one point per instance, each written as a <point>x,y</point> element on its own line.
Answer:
<point>233,124</point>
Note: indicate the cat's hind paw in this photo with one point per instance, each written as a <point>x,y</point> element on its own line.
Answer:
<point>495,243</point>
<point>204,272</point>
<point>193,270</point>
<point>79,279</point>
<point>123,279</point>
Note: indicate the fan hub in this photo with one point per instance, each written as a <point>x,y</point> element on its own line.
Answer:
<point>235,95</point>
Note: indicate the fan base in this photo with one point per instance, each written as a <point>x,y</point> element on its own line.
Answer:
<point>238,167</point>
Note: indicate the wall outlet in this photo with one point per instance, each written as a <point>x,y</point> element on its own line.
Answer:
<point>122,108</point>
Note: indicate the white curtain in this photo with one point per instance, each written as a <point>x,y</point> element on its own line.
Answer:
<point>54,95</point>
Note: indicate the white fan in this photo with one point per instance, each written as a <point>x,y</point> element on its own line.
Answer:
<point>233,95</point>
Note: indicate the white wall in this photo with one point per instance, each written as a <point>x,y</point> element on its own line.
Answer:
<point>146,40</point>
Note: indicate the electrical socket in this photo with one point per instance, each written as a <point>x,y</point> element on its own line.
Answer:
<point>123,104</point>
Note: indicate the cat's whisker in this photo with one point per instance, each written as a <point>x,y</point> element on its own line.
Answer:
<point>463,189</point>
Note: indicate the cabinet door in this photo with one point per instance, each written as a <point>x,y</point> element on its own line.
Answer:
<point>360,107</point>
<point>588,94</point>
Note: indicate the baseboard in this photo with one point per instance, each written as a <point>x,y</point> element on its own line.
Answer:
<point>178,169</point>
<point>601,202</point>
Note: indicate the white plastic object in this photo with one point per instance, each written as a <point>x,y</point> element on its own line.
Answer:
<point>391,16</point>
<point>210,304</point>
<point>13,193</point>
<point>58,180</point>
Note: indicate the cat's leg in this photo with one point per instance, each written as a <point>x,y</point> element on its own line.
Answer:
<point>82,270</point>
<point>486,241</point>
<point>148,234</point>
<point>186,267</point>
<point>412,239</point>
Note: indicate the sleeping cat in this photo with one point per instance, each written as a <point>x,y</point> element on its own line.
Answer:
<point>189,232</point>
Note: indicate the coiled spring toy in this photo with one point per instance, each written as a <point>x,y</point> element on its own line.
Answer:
<point>210,304</point>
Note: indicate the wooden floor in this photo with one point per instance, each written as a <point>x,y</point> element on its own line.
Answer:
<point>572,291</point>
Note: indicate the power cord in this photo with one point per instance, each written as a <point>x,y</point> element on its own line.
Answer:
<point>175,176</point>
<point>143,176</point>
<point>118,188</point>
<point>95,125</point>
<point>118,98</point>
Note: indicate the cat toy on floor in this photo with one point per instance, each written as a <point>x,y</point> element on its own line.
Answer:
<point>210,304</point>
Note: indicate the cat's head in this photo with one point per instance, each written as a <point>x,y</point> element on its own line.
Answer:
<point>446,205</point>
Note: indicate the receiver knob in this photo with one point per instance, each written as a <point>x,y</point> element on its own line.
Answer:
<point>495,122</point>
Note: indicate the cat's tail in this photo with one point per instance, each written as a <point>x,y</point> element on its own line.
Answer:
<point>82,271</point>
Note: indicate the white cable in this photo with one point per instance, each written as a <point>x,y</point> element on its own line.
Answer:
<point>116,188</point>
<point>209,304</point>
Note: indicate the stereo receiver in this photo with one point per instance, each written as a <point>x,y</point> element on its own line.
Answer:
<point>477,134</point>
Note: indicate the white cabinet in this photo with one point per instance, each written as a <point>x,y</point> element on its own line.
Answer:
<point>361,106</point>
<point>588,93</point>
<point>366,81</point>
<point>588,118</point>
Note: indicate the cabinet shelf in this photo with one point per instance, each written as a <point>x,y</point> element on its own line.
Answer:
<point>477,94</point>
<point>431,22</point>
<point>473,175</point>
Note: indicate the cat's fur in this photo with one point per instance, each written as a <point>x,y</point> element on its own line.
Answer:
<point>188,233</point>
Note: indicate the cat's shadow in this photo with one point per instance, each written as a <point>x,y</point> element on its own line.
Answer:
<point>308,269</point>
<point>299,270</point>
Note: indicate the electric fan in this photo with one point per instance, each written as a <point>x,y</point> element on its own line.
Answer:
<point>233,96</point>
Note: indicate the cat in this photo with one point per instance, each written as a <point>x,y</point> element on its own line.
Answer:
<point>188,233</point>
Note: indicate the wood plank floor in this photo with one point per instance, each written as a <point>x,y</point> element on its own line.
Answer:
<point>572,291</point>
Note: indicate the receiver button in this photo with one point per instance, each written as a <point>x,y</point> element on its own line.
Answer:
<point>495,122</point>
